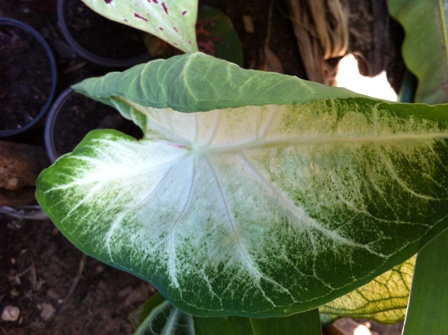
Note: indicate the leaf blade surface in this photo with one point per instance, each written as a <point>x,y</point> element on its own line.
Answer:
<point>259,210</point>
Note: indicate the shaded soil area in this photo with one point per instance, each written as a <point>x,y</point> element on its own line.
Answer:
<point>49,287</point>
<point>78,115</point>
<point>22,93</point>
<point>99,35</point>
<point>56,289</point>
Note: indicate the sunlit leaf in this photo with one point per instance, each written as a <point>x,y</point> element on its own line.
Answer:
<point>280,196</point>
<point>384,299</point>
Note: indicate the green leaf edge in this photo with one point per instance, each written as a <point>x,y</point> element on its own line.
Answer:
<point>428,306</point>
<point>425,48</point>
<point>187,83</point>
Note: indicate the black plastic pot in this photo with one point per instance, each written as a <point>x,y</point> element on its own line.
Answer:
<point>99,40</point>
<point>27,77</point>
<point>73,115</point>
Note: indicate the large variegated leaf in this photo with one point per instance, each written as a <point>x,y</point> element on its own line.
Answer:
<point>171,20</point>
<point>282,196</point>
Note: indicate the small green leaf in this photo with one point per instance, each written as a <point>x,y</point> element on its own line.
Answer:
<point>138,316</point>
<point>425,49</point>
<point>196,82</point>
<point>171,20</point>
<point>157,316</point>
<point>283,196</point>
<point>165,319</point>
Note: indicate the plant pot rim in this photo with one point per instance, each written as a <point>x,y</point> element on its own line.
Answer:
<point>51,131</point>
<point>51,120</point>
<point>91,56</point>
<point>37,36</point>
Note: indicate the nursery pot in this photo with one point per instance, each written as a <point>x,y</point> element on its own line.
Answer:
<point>27,77</point>
<point>100,40</point>
<point>73,115</point>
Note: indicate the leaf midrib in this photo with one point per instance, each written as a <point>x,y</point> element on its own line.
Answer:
<point>313,141</point>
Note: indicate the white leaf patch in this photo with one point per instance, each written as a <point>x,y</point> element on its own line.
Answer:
<point>262,210</point>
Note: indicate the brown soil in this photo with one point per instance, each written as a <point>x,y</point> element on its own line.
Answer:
<point>78,115</point>
<point>25,77</point>
<point>57,289</point>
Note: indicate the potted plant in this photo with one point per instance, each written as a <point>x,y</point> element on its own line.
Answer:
<point>73,115</point>
<point>99,40</point>
<point>27,77</point>
<point>255,199</point>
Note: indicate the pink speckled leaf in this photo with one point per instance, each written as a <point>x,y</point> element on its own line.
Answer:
<point>171,20</point>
